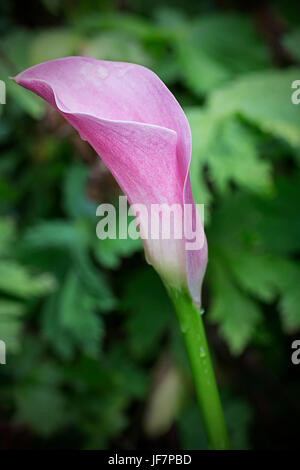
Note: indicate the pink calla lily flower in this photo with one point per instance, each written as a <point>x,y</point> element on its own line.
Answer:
<point>140,131</point>
<point>136,125</point>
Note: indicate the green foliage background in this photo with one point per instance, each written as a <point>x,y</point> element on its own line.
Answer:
<point>94,355</point>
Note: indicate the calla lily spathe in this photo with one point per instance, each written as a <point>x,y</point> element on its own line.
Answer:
<point>140,131</point>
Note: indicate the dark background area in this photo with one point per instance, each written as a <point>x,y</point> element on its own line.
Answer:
<point>95,358</point>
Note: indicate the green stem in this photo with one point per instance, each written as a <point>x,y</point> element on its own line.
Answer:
<point>192,328</point>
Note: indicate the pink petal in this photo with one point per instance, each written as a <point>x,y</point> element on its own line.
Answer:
<point>135,124</point>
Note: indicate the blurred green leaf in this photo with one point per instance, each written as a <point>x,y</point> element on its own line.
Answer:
<point>53,44</point>
<point>18,281</point>
<point>53,234</point>
<point>75,199</point>
<point>289,301</point>
<point>77,315</point>
<point>278,221</point>
<point>239,417</point>
<point>11,313</point>
<point>263,98</point>
<point>200,72</point>
<point>72,319</point>
<point>149,312</point>
<point>191,429</point>
<point>233,156</point>
<point>42,407</point>
<point>117,46</point>
<point>291,41</point>
<point>7,235</point>
<point>237,315</point>
<point>73,239</point>
<point>130,24</point>
<point>265,277</point>
<point>15,47</point>
<point>127,376</point>
<point>230,152</point>
<point>210,54</point>
<point>109,252</point>
<point>14,58</point>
